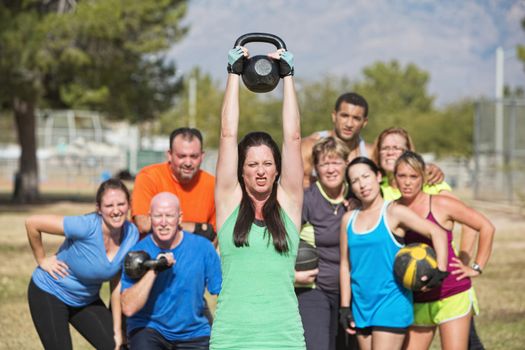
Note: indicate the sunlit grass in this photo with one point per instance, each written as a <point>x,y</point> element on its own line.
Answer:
<point>501,323</point>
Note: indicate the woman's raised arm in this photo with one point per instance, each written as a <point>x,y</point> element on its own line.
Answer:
<point>227,190</point>
<point>292,169</point>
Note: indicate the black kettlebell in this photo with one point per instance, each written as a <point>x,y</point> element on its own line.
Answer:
<point>260,73</point>
<point>137,263</point>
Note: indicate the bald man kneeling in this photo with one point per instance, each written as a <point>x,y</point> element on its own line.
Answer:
<point>165,307</point>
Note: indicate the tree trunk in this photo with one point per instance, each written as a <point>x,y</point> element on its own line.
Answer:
<point>26,179</point>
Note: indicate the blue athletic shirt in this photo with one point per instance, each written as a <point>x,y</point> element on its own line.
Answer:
<point>176,301</point>
<point>377,299</point>
<point>84,253</point>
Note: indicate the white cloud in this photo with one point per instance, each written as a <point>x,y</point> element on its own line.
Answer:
<point>454,41</point>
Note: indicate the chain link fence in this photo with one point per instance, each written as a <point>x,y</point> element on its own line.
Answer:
<point>499,151</point>
<point>79,149</point>
<point>73,153</point>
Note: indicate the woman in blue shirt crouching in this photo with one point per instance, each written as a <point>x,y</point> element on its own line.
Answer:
<point>65,286</point>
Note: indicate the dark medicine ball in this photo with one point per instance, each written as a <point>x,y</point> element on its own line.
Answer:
<point>413,262</point>
<point>307,257</point>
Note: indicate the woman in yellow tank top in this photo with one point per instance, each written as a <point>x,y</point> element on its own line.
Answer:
<point>388,147</point>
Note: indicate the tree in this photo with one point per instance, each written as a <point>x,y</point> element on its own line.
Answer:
<point>395,95</point>
<point>398,96</point>
<point>100,54</point>
<point>258,111</point>
<point>520,50</point>
<point>517,92</point>
<point>207,107</point>
<point>317,101</point>
<point>449,131</point>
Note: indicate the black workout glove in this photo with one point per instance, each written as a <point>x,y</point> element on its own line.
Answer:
<point>206,233</point>
<point>286,64</point>
<point>345,317</point>
<point>235,60</point>
<point>436,279</point>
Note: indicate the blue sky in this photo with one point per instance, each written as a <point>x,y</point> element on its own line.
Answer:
<point>455,41</point>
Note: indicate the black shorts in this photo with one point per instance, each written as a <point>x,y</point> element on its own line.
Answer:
<point>369,330</point>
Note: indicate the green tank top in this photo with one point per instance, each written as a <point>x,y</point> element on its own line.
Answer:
<point>391,193</point>
<point>257,307</point>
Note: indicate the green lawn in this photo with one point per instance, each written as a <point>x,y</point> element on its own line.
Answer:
<point>501,324</point>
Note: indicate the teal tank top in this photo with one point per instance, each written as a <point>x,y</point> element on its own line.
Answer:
<point>257,308</point>
<point>377,299</point>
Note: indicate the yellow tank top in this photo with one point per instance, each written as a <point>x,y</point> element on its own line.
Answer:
<point>391,193</point>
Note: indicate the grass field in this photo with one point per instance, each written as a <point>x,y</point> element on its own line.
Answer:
<point>501,324</point>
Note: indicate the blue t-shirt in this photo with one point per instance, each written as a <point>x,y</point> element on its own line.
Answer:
<point>84,252</point>
<point>176,301</point>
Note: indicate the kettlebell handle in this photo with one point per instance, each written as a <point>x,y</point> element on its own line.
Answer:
<point>260,37</point>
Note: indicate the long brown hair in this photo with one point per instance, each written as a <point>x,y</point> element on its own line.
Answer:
<point>271,210</point>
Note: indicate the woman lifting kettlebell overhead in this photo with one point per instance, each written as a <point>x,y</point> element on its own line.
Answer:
<point>258,206</point>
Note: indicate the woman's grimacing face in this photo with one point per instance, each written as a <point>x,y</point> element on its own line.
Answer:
<point>259,170</point>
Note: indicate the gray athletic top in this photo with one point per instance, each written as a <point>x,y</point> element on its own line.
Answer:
<point>321,220</point>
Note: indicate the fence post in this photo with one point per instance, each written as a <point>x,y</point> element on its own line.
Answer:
<point>477,127</point>
<point>511,146</point>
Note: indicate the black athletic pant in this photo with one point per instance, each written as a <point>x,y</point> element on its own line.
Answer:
<point>474,343</point>
<point>150,339</point>
<point>320,316</point>
<point>52,317</point>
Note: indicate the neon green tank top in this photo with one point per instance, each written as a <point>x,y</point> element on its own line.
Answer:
<point>257,307</point>
<point>391,193</point>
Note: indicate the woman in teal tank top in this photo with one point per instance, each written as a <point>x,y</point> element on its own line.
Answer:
<point>258,206</point>
<point>370,237</point>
